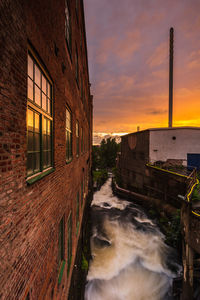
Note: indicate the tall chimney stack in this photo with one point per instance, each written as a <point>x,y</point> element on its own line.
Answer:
<point>171,57</point>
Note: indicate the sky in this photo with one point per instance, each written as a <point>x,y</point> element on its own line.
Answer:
<point>128,53</point>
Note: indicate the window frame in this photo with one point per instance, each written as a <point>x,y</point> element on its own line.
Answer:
<point>77,8</point>
<point>44,116</point>
<point>77,67</point>
<point>61,241</point>
<point>69,242</point>
<point>70,132</point>
<point>82,140</point>
<point>68,28</point>
<point>77,211</point>
<point>82,191</point>
<point>61,248</point>
<point>77,138</point>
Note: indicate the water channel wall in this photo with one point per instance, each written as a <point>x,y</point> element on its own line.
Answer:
<point>168,192</point>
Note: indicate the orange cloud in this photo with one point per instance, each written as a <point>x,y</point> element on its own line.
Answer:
<point>159,56</point>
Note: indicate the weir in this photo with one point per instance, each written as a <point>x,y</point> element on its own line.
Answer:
<point>130,259</point>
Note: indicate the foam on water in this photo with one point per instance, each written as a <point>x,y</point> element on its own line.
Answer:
<point>129,256</point>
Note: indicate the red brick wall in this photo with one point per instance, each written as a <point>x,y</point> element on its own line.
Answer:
<point>30,214</point>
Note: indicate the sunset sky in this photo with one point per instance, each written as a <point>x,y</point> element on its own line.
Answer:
<point>128,52</point>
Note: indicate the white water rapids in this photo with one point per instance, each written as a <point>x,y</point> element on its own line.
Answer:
<point>130,260</point>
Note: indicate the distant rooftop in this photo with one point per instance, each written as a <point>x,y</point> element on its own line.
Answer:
<point>165,128</point>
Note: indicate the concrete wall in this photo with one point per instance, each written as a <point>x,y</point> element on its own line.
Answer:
<point>173,144</point>
<point>30,213</point>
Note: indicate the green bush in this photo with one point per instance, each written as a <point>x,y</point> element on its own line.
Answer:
<point>196,192</point>
<point>84,265</point>
<point>173,230</point>
<point>100,177</point>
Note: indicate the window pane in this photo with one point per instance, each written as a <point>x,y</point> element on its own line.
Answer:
<point>67,146</point>
<point>49,158</point>
<point>37,122</point>
<point>48,90</point>
<point>37,141</point>
<point>44,159</point>
<point>48,127</point>
<point>48,142</point>
<point>69,243</point>
<point>30,141</point>
<point>68,119</point>
<point>67,14</point>
<point>29,163</point>
<point>82,193</point>
<point>37,96</point>
<point>44,126</point>
<point>77,207</point>
<point>77,129</point>
<point>44,102</point>
<point>30,89</point>
<point>30,67</point>
<point>30,119</point>
<point>44,84</point>
<point>81,139</point>
<point>49,105</point>
<point>37,162</point>
<point>37,76</point>
<point>61,241</point>
<point>44,142</point>
<point>70,144</point>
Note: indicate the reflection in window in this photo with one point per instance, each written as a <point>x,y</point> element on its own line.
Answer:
<point>68,31</point>
<point>39,87</point>
<point>39,119</point>
<point>77,138</point>
<point>77,212</point>
<point>61,241</point>
<point>69,242</point>
<point>77,67</point>
<point>68,135</point>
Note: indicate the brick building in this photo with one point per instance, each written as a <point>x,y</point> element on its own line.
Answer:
<point>45,145</point>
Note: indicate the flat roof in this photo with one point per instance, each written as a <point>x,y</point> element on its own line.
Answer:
<point>163,129</point>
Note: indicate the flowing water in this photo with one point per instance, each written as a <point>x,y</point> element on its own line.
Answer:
<point>130,260</point>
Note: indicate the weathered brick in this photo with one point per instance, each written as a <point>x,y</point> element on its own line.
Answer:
<point>30,214</point>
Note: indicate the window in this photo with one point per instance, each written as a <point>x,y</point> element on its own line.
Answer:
<point>77,213</point>
<point>61,241</point>
<point>81,41</point>
<point>84,141</point>
<point>77,5</point>
<point>68,31</point>
<point>68,135</point>
<point>77,138</point>
<point>82,192</point>
<point>81,139</point>
<point>82,88</point>
<point>27,297</point>
<point>39,119</point>
<point>69,242</point>
<point>85,184</point>
<point>77,67</point>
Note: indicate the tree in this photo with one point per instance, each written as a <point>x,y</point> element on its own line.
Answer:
<point>108,153</point>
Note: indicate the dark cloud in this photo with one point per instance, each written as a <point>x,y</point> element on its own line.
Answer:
<point>157,112</point>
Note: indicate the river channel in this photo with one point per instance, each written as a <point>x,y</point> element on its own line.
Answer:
<point>130,260</point>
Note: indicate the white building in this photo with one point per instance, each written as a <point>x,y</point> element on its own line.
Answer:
<point>175,143</point>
